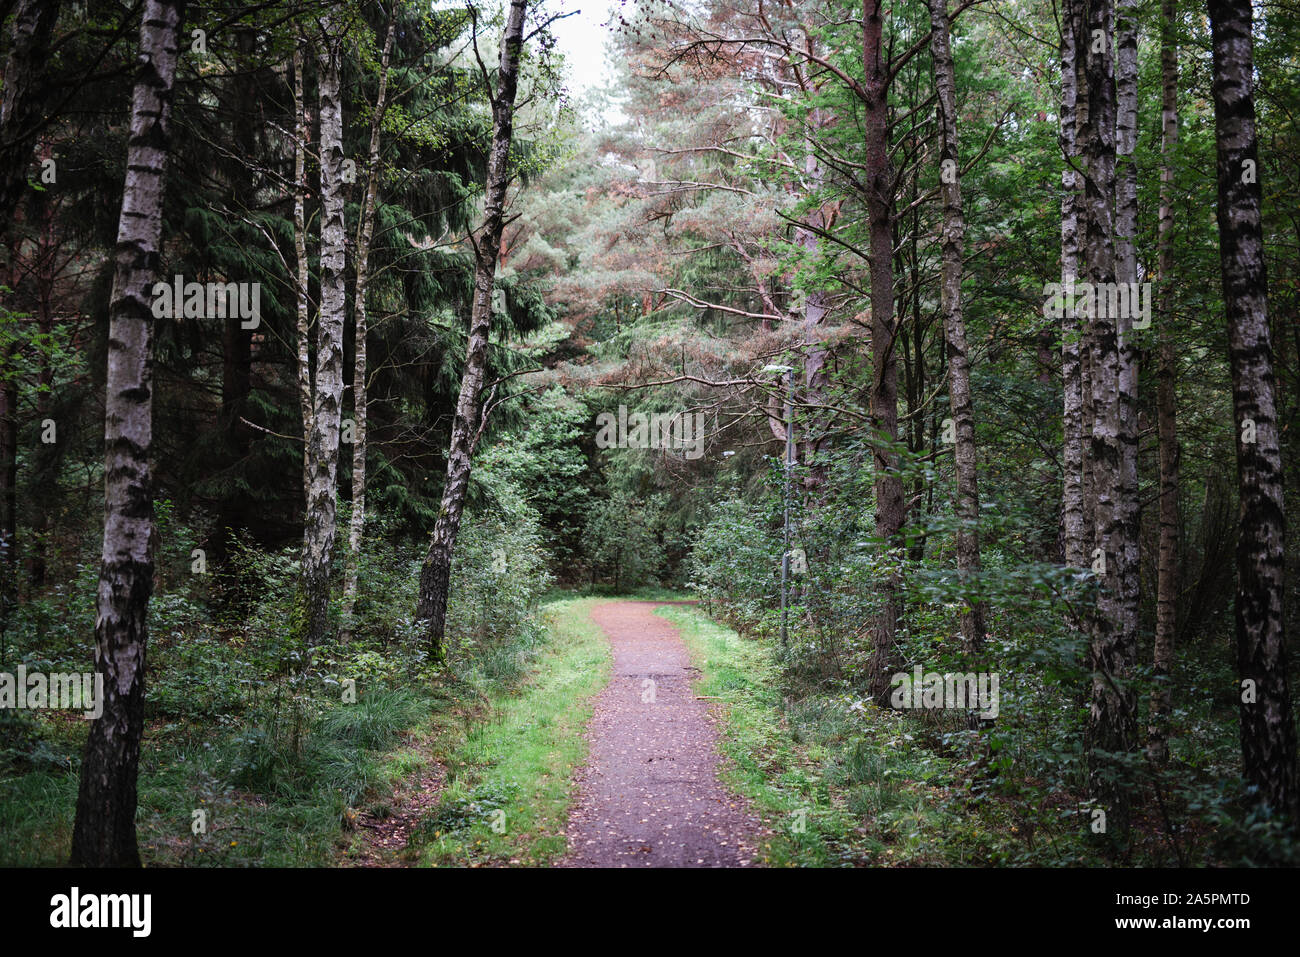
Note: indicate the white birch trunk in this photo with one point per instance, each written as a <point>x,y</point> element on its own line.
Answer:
<point>319,526</point>
<point>104,833</point>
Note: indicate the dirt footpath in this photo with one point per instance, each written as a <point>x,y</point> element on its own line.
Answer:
<point>649,795</point>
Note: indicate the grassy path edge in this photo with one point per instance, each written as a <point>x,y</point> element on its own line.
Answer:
<point>509,783</point>
<point>781,779</point>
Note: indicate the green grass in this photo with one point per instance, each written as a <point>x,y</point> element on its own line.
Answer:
<point>509,783</point>
<point>837,787</point>
<point>507,725</point>
<point>781,779</point>
<point>268,796</point>
<point>263,801</point>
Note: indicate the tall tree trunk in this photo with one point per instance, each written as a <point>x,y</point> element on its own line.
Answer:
<point>8,483</point>
<point>435,577</point>
<point>1268,741</point>
<point>815,380</point>
<point>357,527</point>
<point>23,97</point>
<point>303,276</point>
<point>884,386</point>
<point>1087,372</point>
<point>44,460</point>
<point>21,105</point>
<point>104,832</point>
<point>319,526</point>
<point>954,325</point>
<point>1166,402</point>
<point>1125,140</point>
<point>1112,718</point>
<point>1074,516</point>
<point>236,380</point>
<point>816,306</point>
<point>1127,513</point>
<point>234,509</point>
<point>236,341</point>
<point>1087,477</point>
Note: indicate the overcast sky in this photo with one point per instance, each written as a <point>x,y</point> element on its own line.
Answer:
<point>582,39</point>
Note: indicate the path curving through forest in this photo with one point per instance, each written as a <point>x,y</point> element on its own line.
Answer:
<point>649,794</point>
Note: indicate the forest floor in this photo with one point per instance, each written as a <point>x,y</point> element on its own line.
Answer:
<point>500,793</point>
<point>561,759</point>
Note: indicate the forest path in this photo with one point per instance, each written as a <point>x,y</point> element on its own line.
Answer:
<point>649,795</point>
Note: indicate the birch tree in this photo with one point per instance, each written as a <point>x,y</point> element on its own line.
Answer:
<point>952,248</point>
<point>319,526</point>
<point>1268,740</point>
<point>104,832</point>
<point>808,233</point>
<point>1112,713</point>
<point>365,230</point>
<point>1166,400</point>
<point>1074,517</point>
<point>303,305</point>
<point>890,508</point>
<point>1127,516</point>
<point>435,576</point>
